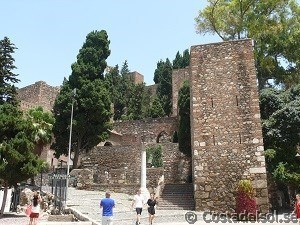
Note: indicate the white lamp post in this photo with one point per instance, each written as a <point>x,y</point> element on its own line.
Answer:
<point>70,142</point>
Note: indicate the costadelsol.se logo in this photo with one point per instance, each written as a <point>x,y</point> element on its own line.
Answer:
<point>212,217</point>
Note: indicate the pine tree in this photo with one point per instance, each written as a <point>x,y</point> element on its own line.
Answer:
<point>177,61</point>
<point>17,160</point>
<point>184,130</point>
<point>92,104</point>
<point>7,77</point>
<point>156,110</point>
<point>125,69</point>
<point>164,89</point>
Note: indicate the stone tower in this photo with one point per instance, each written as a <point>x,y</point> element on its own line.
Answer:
<point>227,141</point>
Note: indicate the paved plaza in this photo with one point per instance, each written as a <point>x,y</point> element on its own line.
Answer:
<point>87,204</point>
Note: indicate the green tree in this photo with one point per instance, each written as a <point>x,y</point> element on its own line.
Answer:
<point>273,24</point>
<point>185,58</point>
<point>158,71</point>
<point>92,104</point>
<point>282,133</point>
<point>270,102</point>
<point>17,160</point>
<point>163,75</point>
<point>177,61</point>
<point>17,133</point>
<point>114,83</point>
<point>43,123</point>
<point>125,69</point>
<point>181,61</point>
<point>184,129</point>
<point>154,156</point>
<point>139,101</point>
<point>7,76</point>
<point>155,110</point>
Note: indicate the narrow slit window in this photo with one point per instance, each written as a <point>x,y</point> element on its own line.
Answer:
<point>240,137</point>
<point>212,102</point>
<point>237,100</point>
<point>214,140</point>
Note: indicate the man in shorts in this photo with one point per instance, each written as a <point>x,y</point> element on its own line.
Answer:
<point>138,202</point>
<point>107,204</point>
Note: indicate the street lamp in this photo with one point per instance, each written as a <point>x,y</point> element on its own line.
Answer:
<point>70,141</point>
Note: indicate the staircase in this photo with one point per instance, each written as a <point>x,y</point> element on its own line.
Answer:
<point>177,196</point>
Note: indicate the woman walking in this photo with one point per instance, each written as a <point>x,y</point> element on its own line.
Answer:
<point>151,208</point>
<point>35,211</point>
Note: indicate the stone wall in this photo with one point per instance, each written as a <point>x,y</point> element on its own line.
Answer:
<point>178,77</point>
<point>151,130</point>
<point>135,77</point>
<point>114,164</point>
<point>151,89</point>
<point>118,168</point>
<point>38,94</point>
<point>153,177</point>
<point>226,130</point>
<point>119,139</point>
<point>177,167</point>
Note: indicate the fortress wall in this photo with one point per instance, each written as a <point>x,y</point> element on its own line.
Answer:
<point>227,141</point>
<point>38,94</point>
<point>149,129</point>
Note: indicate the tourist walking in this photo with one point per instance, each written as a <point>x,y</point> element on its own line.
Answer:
<point>297,207</point>
<point>138,202</point>
<point>35,209</point>
<point>107,204</point>
<point>151,207</point>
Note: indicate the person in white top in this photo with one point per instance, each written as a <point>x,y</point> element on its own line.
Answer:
<point>138,202</point>
<point>35,210</point>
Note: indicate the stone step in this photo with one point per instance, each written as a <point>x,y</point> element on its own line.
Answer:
<point>174,194</point>
<point>176,200</point>
<point>176,204</point>
<point>177,196</point>
<point>175,207</point>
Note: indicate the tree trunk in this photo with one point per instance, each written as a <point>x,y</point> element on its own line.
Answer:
<point>76,158</point>
<point>4,200</point>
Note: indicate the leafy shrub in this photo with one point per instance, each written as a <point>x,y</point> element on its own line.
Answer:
<point>154,156</point>
<point>246,207</point>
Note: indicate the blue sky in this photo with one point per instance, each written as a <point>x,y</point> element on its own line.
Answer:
<point>49,33</point>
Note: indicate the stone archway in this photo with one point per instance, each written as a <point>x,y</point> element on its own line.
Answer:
<point>163,137</point>
<point>108,143</point>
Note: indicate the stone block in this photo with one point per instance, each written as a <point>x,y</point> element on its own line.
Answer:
<point>258,170</point>
<point>259,184</point>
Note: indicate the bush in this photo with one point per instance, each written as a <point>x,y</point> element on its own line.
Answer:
<point>246,207</point>
<point>154,156</point>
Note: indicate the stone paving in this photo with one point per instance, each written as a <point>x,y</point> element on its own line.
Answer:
<point>87,203</point>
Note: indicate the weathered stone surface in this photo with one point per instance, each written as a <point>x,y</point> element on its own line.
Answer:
<point>261,184</point>
<point>159,130</point>
<point>115,165</point>
<point>258,170</point>
<point>38,94</point>
<point>225,116</point>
